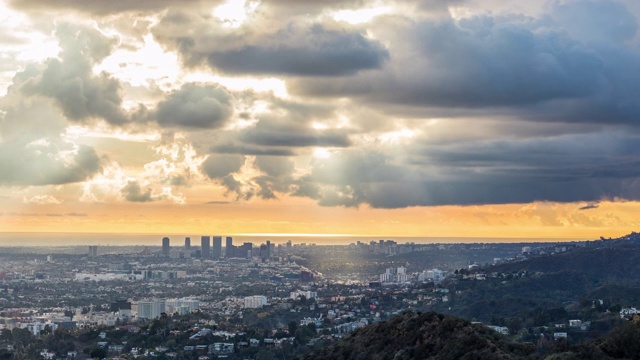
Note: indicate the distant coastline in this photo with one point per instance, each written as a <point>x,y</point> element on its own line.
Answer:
<point>16,239</point>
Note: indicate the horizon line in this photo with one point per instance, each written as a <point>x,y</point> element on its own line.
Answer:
<point>328,235</point>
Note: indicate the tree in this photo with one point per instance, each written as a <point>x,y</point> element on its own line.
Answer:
<point>46,330</point>
<point>265,355</point>
<point>293,326</point>
<point>98,353</point>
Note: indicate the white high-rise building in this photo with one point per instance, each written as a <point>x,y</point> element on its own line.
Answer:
<point>255,301</point>
<point>434,275</point>
<point>182,306</point>
<point>151,309</point>
<point>395,275</point>
<point>307,294</point>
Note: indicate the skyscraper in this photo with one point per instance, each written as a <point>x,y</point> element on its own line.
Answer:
<point>217,247</point>
<point>244,251</point>
<point>268,249</point>
<point>205,247</point>
<point>187,243</point>
<point>229,251</point>
<point>93,250</point>
<point>264,253</point>
<point>166,248</point>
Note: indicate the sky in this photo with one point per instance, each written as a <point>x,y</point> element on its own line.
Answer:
<point>432,118</point>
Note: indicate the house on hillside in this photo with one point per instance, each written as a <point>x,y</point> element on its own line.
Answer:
<point>628,312</point>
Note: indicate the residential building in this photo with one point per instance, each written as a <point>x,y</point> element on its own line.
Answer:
<point>255,301</point>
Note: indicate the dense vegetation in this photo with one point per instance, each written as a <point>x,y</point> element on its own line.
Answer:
<point>436,336</point>
<point>591,283</point>
<point>424,336</point>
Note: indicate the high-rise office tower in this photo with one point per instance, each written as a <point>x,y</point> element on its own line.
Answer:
<point>244,251</point>
<point>264,253</point>
<point>187,243</point>
<point>205,247</point>
<point>217,247</point>
<point>93,250</point>
<point>268,249</point>
<point>229,247</point>
<point>166,248</point>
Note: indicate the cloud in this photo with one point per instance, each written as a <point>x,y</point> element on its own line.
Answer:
<point>296,49</point>
<point>42,200</point>
<point>69,81</point>
<point>475,62</point>
<point>33,150</point>
<point>546,68</point>
<point>23,164</point>
<point>569,168</point>
<point>278,175</point>
<point>426,108</point>
<point>593,205</point>
<point>314,51</point>
<point>133,192</point>
<point>273,131</point>
<point>592,20</point>
<point>275,166</point>
<point>250,150</point>
<point>71,214</point>
<point>219,166</point>
<point>195,106</point>
<point>100,7</point>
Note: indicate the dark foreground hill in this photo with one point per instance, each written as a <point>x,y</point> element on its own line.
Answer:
<point>438,337</point>
<point>424,336</point>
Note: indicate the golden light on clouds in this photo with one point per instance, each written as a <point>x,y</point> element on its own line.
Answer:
<point>354,118</point>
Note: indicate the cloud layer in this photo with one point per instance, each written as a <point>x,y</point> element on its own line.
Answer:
<point>441,104</point>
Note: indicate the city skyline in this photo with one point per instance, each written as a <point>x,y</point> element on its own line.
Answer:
<point>473,118</point>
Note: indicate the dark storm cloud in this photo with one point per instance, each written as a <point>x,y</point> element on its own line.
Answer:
<point>589,167</point>
<point>600,21</point>
<point>195,106</point>
<point>315,51</point>
<point>285,133</point>
<point>289,49</point>
<point>133,192</point>
<point>286,139</point>
<point>477,62</point>
<point>557,68</point>
<point>431,193</point>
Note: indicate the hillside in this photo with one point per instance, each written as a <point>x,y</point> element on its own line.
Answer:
<point>603,270</point>
<point>424,336</point>
<point>603,263</point>
<point>438,337</point>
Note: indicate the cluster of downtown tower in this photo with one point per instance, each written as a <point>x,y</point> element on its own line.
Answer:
<point>231,251</point>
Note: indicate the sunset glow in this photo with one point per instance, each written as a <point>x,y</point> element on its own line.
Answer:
<point>326,118</point>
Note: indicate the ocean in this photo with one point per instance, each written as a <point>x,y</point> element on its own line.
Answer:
<point>10,239</point>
